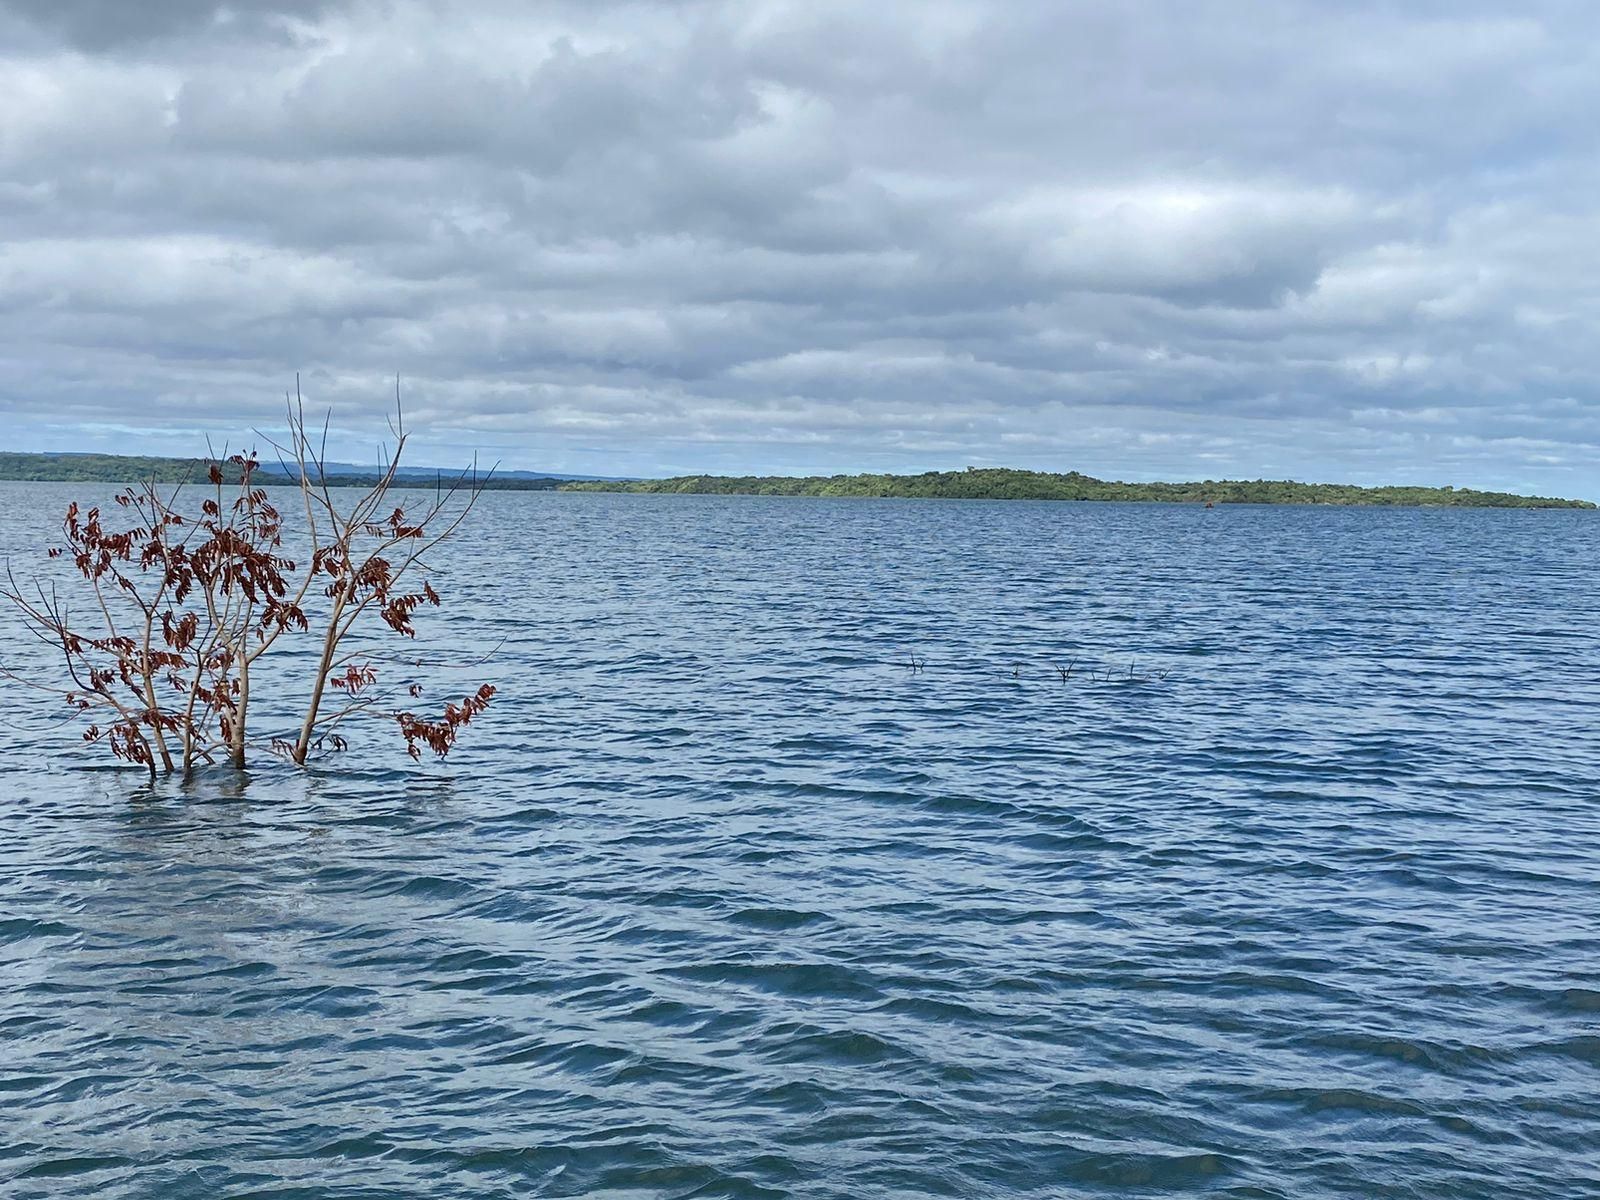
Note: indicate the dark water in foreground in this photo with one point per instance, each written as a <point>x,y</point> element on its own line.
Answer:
<point>723,900</point>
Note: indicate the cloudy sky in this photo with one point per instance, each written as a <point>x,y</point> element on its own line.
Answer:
<point>1339,240</point>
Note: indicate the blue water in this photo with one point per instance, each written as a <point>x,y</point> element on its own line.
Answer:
<point>1291,889</point>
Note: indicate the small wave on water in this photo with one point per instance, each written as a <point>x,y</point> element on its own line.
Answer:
<point>821,874</point>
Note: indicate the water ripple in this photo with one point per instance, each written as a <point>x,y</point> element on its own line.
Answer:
<point>726,898</point>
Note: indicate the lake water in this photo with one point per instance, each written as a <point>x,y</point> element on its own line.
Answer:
<point>724,898</point>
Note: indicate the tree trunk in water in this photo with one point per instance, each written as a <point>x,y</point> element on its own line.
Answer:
<point>330,643</point>
<point>236,750</point>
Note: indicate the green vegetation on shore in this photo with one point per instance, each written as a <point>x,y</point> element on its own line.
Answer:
<point>993,483</point>
<point>99,468</point>
<point>138,468</point>
<point>975,483</point>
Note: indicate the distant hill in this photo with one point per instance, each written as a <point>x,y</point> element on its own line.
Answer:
<point>132,468</point>
<point>986,483</point>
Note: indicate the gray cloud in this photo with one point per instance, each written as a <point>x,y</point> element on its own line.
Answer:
<point>1274,238</point>
<point>100,25</point>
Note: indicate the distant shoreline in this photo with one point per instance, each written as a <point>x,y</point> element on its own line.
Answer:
<point>141,468</point>
<point>975,483</point>
<point>984,483</point>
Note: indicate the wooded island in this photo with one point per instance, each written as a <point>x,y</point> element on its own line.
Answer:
<point>996,483</point>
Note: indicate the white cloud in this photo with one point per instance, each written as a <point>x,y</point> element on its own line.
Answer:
<point>1282,237</point>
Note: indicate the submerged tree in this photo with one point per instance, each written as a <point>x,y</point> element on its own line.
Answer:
<point>182,600</point>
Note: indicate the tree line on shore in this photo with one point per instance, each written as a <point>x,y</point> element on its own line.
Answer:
<point>974,483</point>
<point>146,468</point>
<point>996,483</point>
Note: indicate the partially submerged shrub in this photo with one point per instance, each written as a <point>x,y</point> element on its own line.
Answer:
<point>184,599</point>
